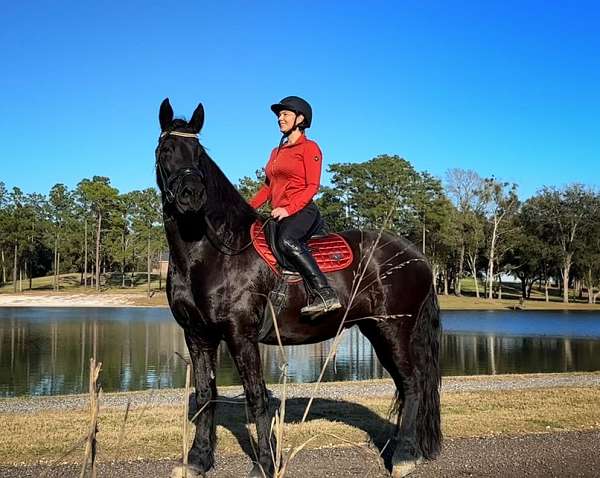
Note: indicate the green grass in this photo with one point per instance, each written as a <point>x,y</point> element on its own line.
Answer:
<point>511,293</point>
<point>511,297</point>
<point>72,283</point>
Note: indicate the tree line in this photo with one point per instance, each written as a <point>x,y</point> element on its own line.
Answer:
<point>467,225</point>
<point>92,229</point>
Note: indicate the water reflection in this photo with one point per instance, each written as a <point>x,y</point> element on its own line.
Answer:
<point>47,351</point>
<point>476,354</point>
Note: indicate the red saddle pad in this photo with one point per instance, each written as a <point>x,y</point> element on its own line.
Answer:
<point>331,252</point>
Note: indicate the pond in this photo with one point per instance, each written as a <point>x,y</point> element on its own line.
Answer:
<point>46,351</point>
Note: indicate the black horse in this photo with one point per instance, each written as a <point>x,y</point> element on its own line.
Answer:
<point>217,290</point>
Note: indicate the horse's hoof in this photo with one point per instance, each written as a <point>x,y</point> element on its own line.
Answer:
<point>405,467</point>
<point>187,471</point>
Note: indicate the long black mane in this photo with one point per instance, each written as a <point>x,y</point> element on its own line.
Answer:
<point>224,204</point>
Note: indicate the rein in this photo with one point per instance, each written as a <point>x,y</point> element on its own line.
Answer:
<point>171,183</point>
<point>232,250</point>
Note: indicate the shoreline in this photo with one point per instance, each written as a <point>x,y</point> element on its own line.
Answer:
<point>140,299</point>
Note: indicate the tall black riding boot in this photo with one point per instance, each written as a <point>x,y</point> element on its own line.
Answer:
<point>324,299</point>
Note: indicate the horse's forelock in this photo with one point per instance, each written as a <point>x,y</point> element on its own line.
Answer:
<point>180,124</point>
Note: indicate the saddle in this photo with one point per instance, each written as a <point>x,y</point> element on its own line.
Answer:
<point>331,251</point>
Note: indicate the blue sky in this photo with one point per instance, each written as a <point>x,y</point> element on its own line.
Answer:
<point>507,88</point>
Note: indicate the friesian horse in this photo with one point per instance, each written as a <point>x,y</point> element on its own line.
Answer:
<point>217,289</point>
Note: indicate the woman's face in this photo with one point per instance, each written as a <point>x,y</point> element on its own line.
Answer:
<point>288,119</point>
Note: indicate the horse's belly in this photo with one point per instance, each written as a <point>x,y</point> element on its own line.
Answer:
<point>297,330</point>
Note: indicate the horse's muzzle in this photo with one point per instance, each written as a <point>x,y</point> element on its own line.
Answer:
<point>190,195</point>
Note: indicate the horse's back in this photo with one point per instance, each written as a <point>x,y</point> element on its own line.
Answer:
<point>392,262</point>
<point>385,246</point>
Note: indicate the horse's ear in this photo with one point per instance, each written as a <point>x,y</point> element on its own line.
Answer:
<point>165,116</point>
<point>197,120</point>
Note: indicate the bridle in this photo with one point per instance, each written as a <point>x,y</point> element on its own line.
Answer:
<point>171,185</point>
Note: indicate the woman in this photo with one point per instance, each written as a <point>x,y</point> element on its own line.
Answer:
<point>293,175</point>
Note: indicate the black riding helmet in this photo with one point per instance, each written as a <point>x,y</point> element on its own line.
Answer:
<point>298,106</point>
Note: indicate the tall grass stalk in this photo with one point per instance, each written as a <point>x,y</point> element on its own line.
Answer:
<point>356,283</point>
<point>122,431</point>
<point>278,423</point>
<point>186,409</point>
<point>94,393</point>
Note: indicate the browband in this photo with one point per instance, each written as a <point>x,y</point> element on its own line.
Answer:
<point>178,133</point>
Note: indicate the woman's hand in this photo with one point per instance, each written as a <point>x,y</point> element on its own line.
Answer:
<point>279,213</point>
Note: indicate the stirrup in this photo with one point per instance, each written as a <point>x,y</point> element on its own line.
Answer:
<point>322,305</point>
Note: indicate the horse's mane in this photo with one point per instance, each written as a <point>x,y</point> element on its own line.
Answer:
<point>224,202</point>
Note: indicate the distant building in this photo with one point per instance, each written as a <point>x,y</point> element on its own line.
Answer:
<point>162,265</point>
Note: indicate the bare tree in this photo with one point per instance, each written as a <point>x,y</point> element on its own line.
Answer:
<point>501,203</point>
<point>463,187</point>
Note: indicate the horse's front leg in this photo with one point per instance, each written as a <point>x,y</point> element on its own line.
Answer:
<point>245,353</point>
<point>203,354</point>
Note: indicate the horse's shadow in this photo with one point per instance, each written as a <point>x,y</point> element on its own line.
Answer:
<point>231,414</point>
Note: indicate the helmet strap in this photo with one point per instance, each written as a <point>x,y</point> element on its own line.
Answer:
<point>287,133</point>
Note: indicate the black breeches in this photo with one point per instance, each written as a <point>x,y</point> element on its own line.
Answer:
<point>292,234</point>
<point>294,231</point>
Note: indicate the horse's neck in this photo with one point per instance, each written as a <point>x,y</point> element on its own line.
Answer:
<point>184,240</point>
<point>194,240</point>
<point>226,209</point>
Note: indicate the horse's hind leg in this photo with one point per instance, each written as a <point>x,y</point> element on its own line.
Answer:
<point>410,355</point>
<point>203,354</point>
<point>392,348</point>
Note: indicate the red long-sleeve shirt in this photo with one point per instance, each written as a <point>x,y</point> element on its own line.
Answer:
<point>293,176</point>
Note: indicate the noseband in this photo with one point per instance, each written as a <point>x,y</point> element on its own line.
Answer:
<point>171,183</point>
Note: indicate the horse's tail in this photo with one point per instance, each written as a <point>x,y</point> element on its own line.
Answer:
<point>425,348</point>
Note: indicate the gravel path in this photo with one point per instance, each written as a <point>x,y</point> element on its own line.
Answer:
<point>331,390</point>
<point>567,454</point>
<point>572,454</point>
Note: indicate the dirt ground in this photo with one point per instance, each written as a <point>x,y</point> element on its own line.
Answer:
<point>572,454</point>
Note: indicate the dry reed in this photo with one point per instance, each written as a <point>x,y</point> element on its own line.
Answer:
<point>280,462</point>
<point>186,409</point>
<point>91,444</point>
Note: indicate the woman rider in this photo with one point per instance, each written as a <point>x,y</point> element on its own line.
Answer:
<point>293,175</point>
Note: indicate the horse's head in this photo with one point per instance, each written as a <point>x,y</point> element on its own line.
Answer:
<point>178,154</point>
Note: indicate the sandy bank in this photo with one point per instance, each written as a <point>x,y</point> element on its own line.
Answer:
<point>78,300</point>
<point>123,298</point>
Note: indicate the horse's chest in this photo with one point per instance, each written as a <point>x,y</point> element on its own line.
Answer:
<point>191,313</point>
